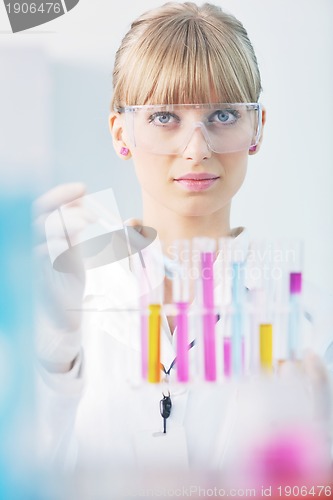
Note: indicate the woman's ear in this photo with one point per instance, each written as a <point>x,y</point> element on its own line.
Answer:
<point>118,132</point>
<point>255,149</point>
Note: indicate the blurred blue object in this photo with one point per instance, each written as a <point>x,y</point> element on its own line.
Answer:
<point>16,345</point>
<point>24,148</point>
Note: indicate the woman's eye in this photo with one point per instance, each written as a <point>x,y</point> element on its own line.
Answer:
<point>163,118</point>
<point>224,116</point>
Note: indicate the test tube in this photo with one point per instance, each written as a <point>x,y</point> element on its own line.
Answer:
<point>227,356</point>
<point>222,269</point>
<point>209,316</point>
<point>182,365</point>
<point>265,300</point>
<point>150,300</point>
<point>289,261</point>
<point>206,248</point>
<point>144,338</point>
<point>181,294</point>
<point>238,288</point>
<point>295,289</point>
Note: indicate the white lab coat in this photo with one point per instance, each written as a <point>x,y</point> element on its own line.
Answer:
<point>97,413</point>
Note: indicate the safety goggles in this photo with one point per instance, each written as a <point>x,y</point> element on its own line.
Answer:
<point>168,129</point>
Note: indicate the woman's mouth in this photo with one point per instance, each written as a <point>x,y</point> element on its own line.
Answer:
<point>196,182</point>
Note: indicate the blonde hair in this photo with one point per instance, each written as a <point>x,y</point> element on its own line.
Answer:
<point>182,53</point>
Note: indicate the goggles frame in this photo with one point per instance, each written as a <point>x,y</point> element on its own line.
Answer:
<point>130,110</point>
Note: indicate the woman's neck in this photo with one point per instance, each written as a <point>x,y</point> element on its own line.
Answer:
<point>171,226</point>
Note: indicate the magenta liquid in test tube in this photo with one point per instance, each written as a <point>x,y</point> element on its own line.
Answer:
<point>182,365</point>
<point>209,316</point>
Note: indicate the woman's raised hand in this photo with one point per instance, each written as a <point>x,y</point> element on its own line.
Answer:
<point>59,294</point>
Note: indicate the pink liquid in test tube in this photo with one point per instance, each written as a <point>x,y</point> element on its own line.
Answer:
<point>227,356</point>
<point>209,320</point>
<point>209,317</point>
<point>182,364</point>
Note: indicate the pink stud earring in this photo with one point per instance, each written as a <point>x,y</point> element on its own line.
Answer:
<point>253,148</point>
<point>124,151</point>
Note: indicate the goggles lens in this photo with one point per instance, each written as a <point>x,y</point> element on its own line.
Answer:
<point>167,129</point>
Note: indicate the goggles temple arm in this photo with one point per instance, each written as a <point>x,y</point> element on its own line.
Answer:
<point>259,127</point>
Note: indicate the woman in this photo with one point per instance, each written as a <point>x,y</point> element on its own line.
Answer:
<point>174,72</point>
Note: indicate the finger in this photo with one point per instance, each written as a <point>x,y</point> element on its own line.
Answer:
<point>59,195</point>
<point>71,221</point>
<point>136,223</point>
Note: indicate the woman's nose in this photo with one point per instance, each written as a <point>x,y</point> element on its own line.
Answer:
<point>197,148</point>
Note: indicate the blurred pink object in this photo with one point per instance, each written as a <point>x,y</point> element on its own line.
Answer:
<point>291,456</point>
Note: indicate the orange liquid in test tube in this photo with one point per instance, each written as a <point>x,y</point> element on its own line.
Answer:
<point>154,343</point>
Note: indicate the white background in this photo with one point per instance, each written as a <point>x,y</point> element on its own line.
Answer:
<point>288,191</point>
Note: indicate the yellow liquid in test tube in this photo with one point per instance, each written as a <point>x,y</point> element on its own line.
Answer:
<point>266,346</point>
<point>154,343</point>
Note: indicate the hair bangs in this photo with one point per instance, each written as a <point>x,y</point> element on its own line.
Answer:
<point>185,69</point>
